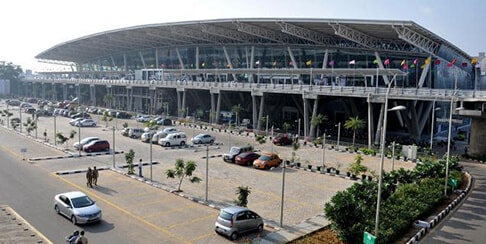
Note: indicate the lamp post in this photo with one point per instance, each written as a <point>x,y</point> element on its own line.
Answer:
<point>298,128</point>
<point>113,150</point>
<point>79,140</point>
<point>323,150</point>
<point>449,136</point>
<point>382,161</point>
<point>393,155</point>
<point>283,195</point>
<point>55,143</point>
<point>339,135</point>
<point>207,172</point>
<point>434,109</point>
<point>151,157</point>
<point>20,115</point>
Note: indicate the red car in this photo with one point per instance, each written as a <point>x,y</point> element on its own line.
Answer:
<point>97,146</point>
<point>246,158</point>
<point>282,140</point>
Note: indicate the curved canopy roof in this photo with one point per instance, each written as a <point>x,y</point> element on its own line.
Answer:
<point>379,35</point>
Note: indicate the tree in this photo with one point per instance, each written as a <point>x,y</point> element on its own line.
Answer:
<point>129,156</point>
<point>107,100</point>
<point>317,121</point>
<point>242,193</point>
<point>199,113</point>
<point>11,72</point>
<point>286,126</point>
<point>354,124</point>
<point>237,110</point>
<point>356,167</point>
<point>106,117</point>
<point>30,125</point>
<point>61,138</point>
<point>183,170</point>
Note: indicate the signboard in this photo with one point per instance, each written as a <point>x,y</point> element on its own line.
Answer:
<point>453,183</point>
<point>445,120</point>
<point>368,238</point>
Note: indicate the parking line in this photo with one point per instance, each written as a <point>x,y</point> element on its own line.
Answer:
<point>159,228</point>
<point>169,211</point>
<point>147,203</point>
<point>125,196</point>
<point>192,221</point>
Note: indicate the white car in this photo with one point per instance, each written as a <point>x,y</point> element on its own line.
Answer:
<point>147,136</point>
<point>74,121</point>
<point>170,130</point>
<point>77,207</point>
<point>79,145</point>
<point>86,123</point>
<point>143,118</point>
<point>174,139</point>
<point>203,139</point>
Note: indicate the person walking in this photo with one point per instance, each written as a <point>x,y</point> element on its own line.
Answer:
<point>82,239</point>
<point>95,176</point>
<point>89,177</point>
<point>140,168</point>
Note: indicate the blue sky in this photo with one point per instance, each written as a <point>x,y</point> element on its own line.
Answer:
<point>32,26</point>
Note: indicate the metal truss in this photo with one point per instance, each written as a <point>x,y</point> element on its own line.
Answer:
<point>226,33</point>
<point>417,40</point>
<point>354,35</point>
<point>278,37</point>
<point>306,34</point>
<point>200,36</point>
<point>168,39</point>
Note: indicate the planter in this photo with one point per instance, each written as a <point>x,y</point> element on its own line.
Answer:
<point>297,164</point>
<point>328,170</point>
<point>309,167</point>
<point>397,157</point>
<point>319,168</point>
<point>337,171</point>
<point>363,177</point>
<point>370,178</point>
<point>348,174</point>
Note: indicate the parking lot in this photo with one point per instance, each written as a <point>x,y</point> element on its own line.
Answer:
<point>305,192</point>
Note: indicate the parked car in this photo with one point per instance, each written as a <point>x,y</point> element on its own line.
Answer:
<point>123,115</point>
<point>97,146</point>
<point>235,221</point>
<point>143,118</point>
<point>234,151</point>
<point>266,161</point>
<point>125,131</point>
<point>79,145</point>
<point>157,136</point>
<point>170,130</point>
<point>85,123</point>
<point>282,139</point>
<point>147,136</point>
<point>246,158</point>
<point>78,207</point>
<point>163,121</point>
<point>74,121</point>
<point>174,139</point>
<point>203,139</point>
<point>135,132</point>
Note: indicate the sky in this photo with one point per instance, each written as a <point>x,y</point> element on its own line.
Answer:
<point>30,27</point>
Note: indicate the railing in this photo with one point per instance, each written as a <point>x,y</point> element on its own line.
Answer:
<point>374,93</point>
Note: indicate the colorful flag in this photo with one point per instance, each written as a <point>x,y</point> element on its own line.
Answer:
<point>454,61</point>
<point>464,64</point>
<point>402,63</point>
<point>352,62</point>
<point>375,61</point>
<point>274,63</point>
<point>405,67</point>
<point>331,63</point>
<point>308,62</point>
<point>427,61</point>
<point>437,62</point>
<point>474,60</point>
<point>451,63</point>
<point>386,62</point>
<point>257,62</point>
<point>415,61</point>
<point>422,66</point>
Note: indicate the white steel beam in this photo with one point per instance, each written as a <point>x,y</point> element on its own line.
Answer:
<point>303,33</point>
<point>263,33</point>
<point>354,35</point>
<point>418,40</point>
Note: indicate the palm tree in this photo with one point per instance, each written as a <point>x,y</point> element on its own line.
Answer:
<point>107,99</point>
<point>237,110</point>
<point>354,124</point>
<point>317,121</point>
<point>286,126</point>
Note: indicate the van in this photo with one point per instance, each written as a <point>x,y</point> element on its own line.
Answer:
<point>174,139</point>
<point>234,151</point>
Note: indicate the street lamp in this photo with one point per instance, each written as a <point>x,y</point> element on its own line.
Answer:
<point>323,150</point>
<point>55,143</point>
<point>382,161</point>
<point>113,150</point>
<point>339,135</point>
<point>434,109</point>
<point>79,140</point>
<point>298,128</point>
<point>283,194</point>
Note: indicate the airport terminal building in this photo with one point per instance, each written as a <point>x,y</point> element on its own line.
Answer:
<point>277,71</point>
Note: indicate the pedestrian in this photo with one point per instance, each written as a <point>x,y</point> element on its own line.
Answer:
<point>140,168</point>
<point>82,239</point>
<point>95,176</point>
<point>89,177</point>
<point>72,238</point>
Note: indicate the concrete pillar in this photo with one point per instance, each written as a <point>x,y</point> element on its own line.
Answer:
<point>260,112</point>
<point>212,113</point>
<point>129,98</point>
<point>64,91</point>
<point>77,89</point>
<point>306,116</point>
<point>43,89</point>
<point>312,131</point>
<point>477,136</point>
<point>254,111</point>
<point>92,94</point>
<point>218,108</point>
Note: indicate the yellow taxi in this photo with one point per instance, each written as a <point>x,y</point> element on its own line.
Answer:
<point>266,161</point>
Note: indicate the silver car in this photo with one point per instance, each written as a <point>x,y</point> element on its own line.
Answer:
<point>80,144</point>
<point>234,221</point>
<point>203,139</point>
<point>78,207</point>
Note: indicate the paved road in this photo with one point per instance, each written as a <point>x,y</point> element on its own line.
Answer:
<point>468,223</point>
